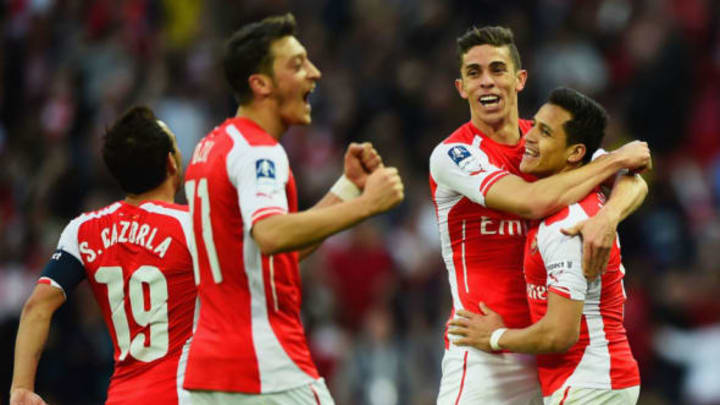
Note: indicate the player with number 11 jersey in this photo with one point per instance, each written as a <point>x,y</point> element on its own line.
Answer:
<point>250,337</point>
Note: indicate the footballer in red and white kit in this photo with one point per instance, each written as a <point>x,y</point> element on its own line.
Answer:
<point>135,255</point>
<point>250,338</point>
<point>601,358</point>
<point>483,250</point>
<point>140,269</point>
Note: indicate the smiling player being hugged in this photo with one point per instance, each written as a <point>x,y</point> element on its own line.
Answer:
<point>583,353</point>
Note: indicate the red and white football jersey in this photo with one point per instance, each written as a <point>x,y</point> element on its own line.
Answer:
<point>553,263</point>
<point>140,269</point>
<point>250,337</point>
<point>482,247</point>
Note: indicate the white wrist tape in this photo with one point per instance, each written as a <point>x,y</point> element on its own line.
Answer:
<point>345,189</point>
<point>495,338</point>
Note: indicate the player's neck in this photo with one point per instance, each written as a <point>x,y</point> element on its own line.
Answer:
<point>265,116</point>
<point>164,192</point>
<point>506,131</point>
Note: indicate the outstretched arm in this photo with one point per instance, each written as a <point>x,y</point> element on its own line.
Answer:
<point>543,197</point>
<point>280,233</point>
<point>31,337</point>
<point>360,160</point>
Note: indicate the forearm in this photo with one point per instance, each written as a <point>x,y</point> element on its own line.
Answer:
<point>626,197</point>
<point>543,197</point>
<point>328,200</point>
<point>535,339</point>
<point>572,186</point>
<point>31,337</point>
<point>281,233</point>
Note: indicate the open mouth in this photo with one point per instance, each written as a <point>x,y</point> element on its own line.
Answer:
<point>531,153</point>
<point>489,100</point>
<point>306,95</point>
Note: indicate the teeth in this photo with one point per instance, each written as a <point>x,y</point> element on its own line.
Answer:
<point>531,152</point>
<point>489,99</point>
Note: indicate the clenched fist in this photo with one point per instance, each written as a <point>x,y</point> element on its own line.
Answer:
<point>383,190</point>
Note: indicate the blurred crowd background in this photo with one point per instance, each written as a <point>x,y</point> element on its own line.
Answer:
<point>375,298</point>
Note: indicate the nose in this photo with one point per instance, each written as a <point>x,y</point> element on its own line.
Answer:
<point>486,80</point>
<point>313,72</point>
<point>531,135</point>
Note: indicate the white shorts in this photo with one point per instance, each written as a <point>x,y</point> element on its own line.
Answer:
<point>580,396</point>
<point>471,376</point>
<point>315,393</point>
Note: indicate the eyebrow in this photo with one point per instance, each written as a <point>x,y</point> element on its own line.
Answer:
<point>491,65</point>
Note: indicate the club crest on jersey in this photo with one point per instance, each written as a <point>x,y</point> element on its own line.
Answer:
<point>464,159</point>
<point>265,169</point>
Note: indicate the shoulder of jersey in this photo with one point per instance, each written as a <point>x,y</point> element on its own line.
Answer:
<point>571,214</point>
<point>174,206</point>
<point>253,134</point>
<point>460,135</point>
<point>109,209</point>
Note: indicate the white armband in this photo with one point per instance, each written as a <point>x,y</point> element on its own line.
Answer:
<point>495,338</point>
<point>345,189</point>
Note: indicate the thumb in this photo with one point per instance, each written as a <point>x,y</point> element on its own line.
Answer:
<point>572,231</point>
<point>484,308</point>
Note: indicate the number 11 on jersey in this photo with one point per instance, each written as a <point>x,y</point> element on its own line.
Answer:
<point>205,225</point>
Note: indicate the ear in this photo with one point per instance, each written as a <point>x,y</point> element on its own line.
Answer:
<point>260,84</point>
<point>460,88</point>
<point>172,164</point>
<point>576,153</point>
<point>521,76</point>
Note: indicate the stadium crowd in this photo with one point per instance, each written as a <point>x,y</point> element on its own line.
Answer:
<point>376,297</point>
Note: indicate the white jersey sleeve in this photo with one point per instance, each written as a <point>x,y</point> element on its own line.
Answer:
<point>260,175</point>
<point>562,256</point>
<point>465,170</point>
<point>69,238</point>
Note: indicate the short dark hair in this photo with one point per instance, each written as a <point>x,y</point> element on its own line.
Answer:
<point>588,122</point>
<point>135,150</point>
<point>248,52</point>
<point>495,36</point>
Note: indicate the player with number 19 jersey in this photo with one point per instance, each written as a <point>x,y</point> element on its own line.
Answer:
<point>137,261</point>
<point>250,337</point>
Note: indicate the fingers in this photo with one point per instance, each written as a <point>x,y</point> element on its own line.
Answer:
<point>457,331</point>
<point>355,149</point>
<point>598,263</point>
<point>587,253</point>
<point>464,313</point>
<point>370,157</point>
<point>458,322</point>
